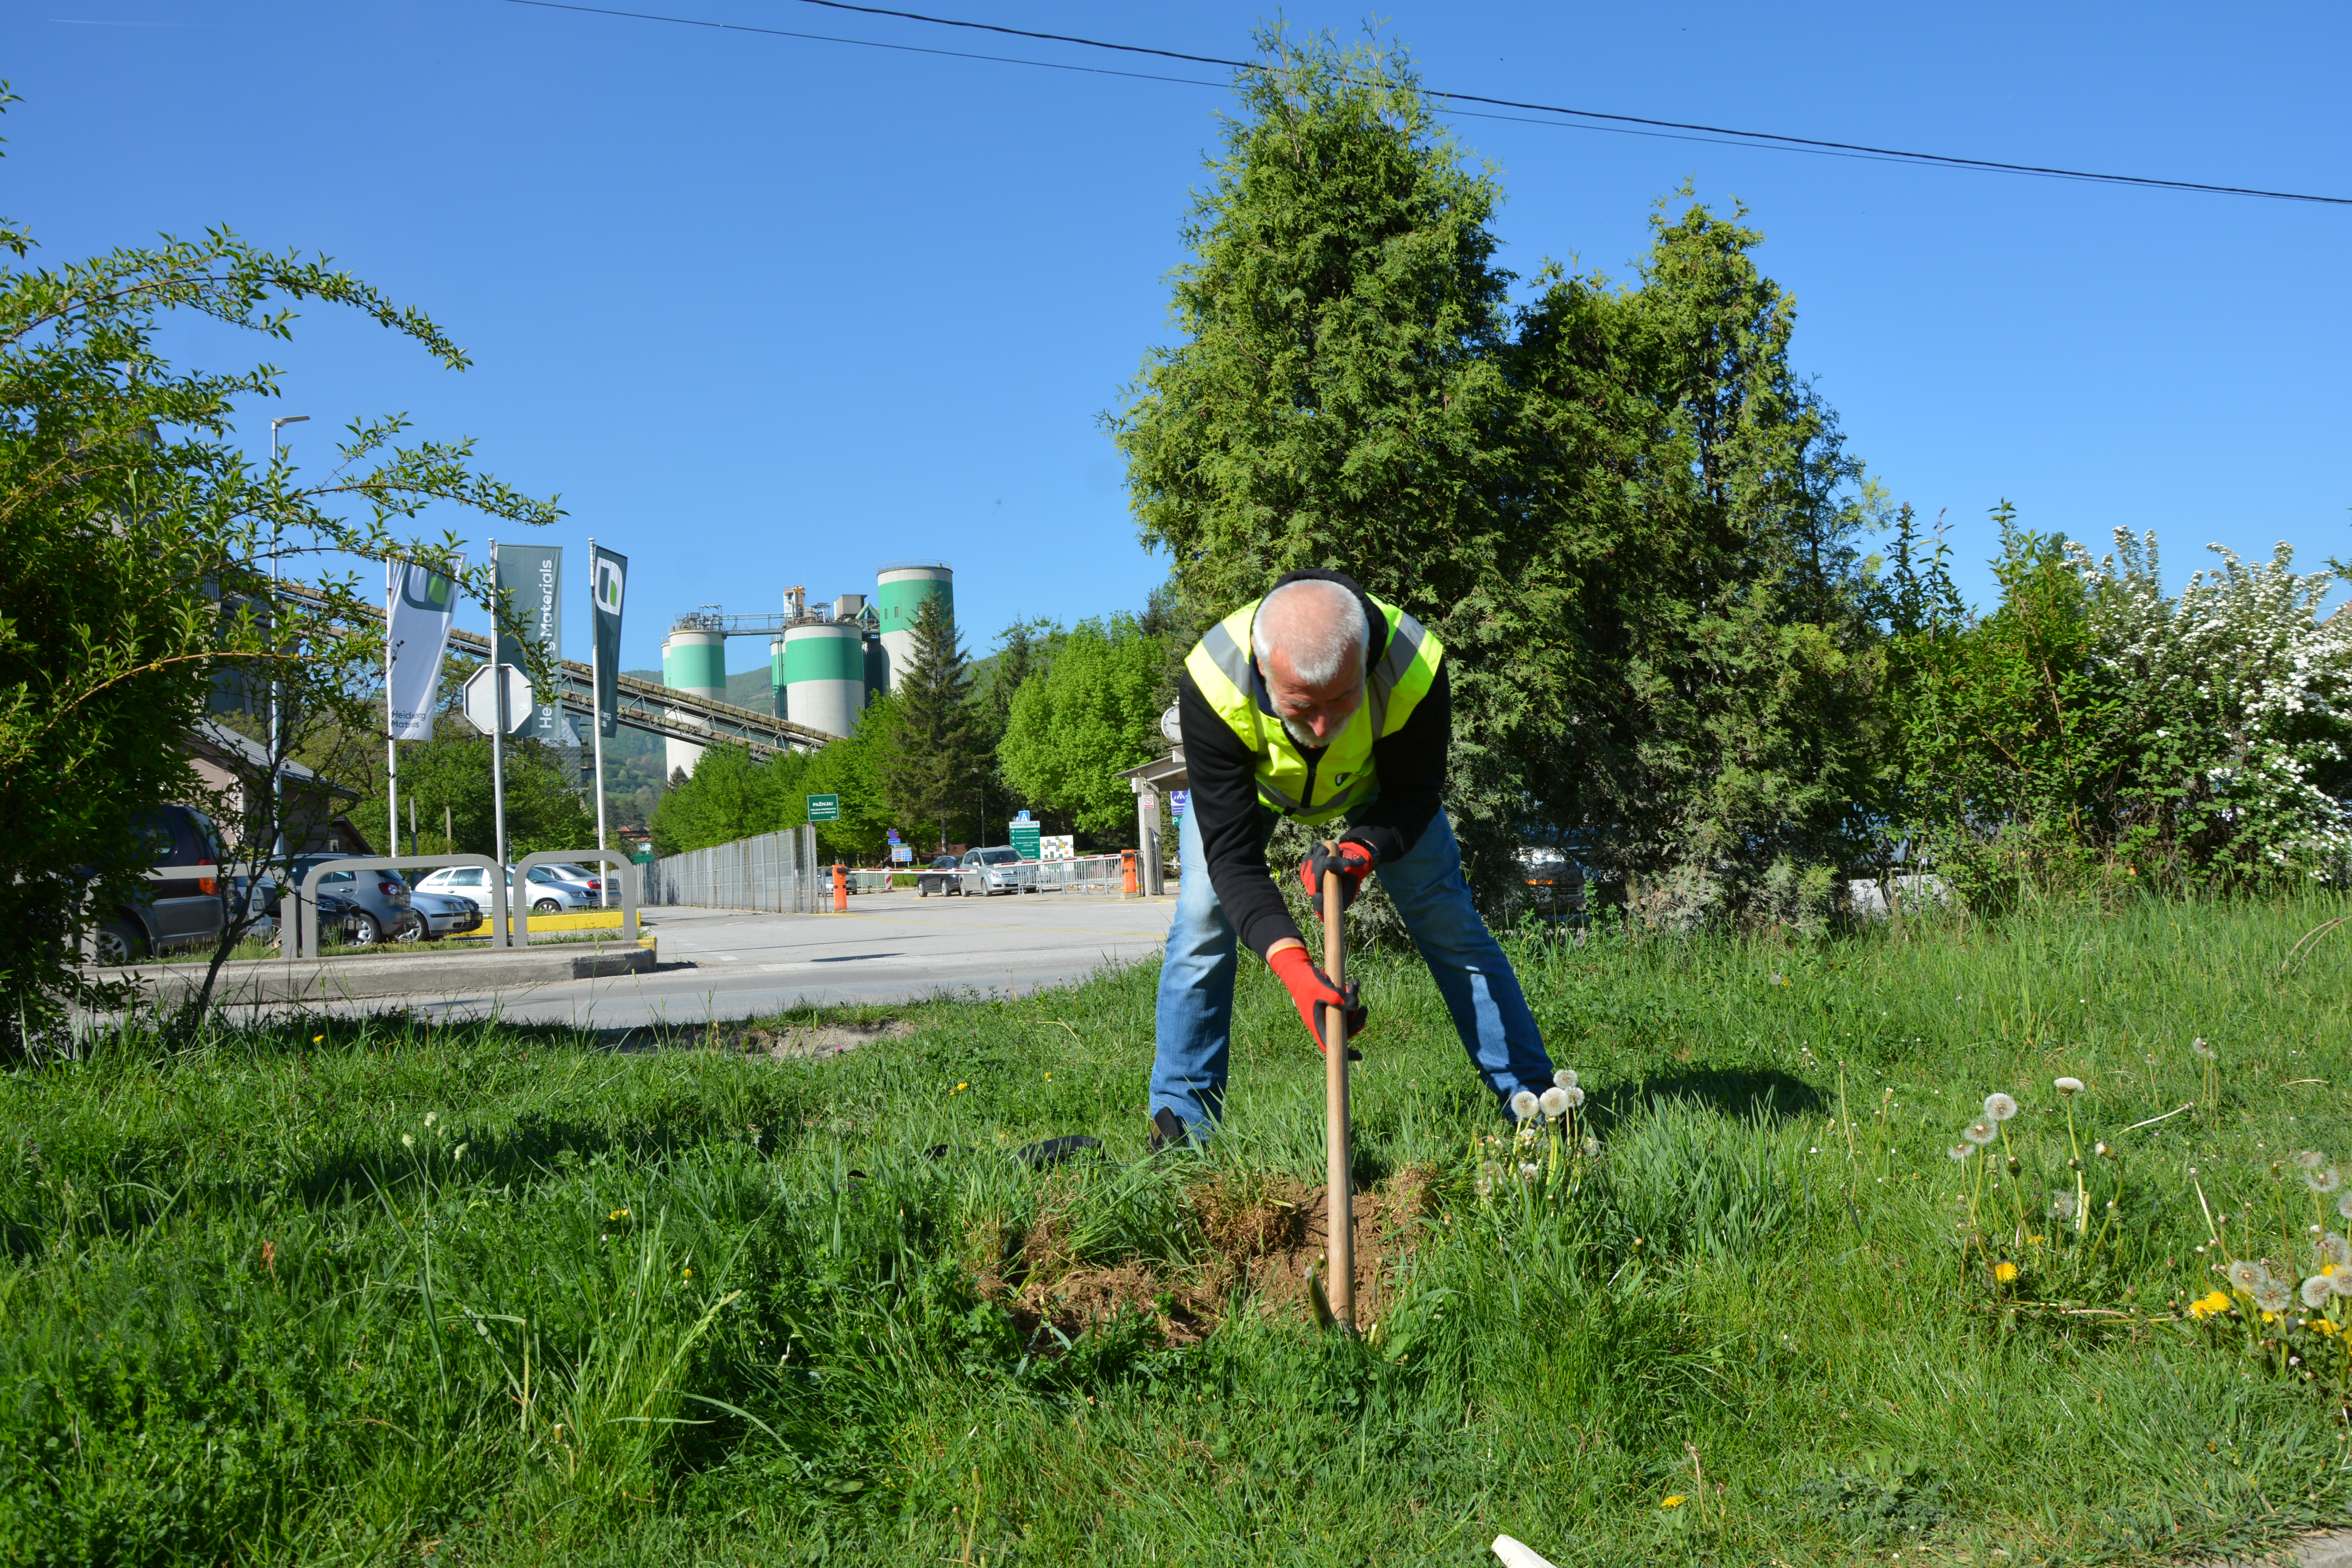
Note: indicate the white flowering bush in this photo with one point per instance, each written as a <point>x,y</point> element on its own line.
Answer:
<point>2225,709</point>
<point>2092,730</point>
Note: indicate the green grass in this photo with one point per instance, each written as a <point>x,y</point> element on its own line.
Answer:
<point>509,1296</point>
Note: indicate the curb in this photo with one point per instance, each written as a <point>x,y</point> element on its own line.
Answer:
<point>246,981</point>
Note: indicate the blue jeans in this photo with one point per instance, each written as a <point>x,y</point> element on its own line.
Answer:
<point>1196,979</point>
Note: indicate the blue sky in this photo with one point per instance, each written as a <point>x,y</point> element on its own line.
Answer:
<point>772,312</point>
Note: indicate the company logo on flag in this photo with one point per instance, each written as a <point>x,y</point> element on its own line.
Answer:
<point>607,577</point>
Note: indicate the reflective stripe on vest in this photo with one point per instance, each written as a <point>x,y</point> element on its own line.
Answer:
<point>1345,776</point>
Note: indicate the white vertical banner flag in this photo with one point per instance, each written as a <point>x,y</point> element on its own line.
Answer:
<point>423,604</point>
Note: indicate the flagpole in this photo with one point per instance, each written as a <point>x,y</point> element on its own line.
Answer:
<point>597,721</point>
<point>499,728</point>
<point>391,725</point>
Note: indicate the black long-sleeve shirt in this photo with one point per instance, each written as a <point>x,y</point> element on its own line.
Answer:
<point>1223,776</point>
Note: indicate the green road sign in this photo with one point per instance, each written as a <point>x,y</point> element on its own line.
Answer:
<point>824,808</point>
<point>1024,839</point>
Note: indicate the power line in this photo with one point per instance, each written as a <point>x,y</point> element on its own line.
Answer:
<point>1719,134</point>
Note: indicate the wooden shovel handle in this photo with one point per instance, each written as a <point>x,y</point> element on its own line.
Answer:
<point>1340,1222</point>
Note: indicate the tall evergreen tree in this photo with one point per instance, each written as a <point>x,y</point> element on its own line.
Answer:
<point>935,760</point>
<point>1622,511</point>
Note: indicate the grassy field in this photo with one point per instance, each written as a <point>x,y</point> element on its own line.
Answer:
<point>367,1292</point>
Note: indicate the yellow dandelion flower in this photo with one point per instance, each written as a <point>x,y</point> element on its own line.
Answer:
<point>2322,1326</point>
<point>1677,1500</point>
<point>618,1214</point>
<point>2004,1272</point>
<point>316,1038</point>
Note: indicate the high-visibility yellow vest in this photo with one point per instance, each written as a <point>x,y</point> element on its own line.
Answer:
<point>1344,777</point>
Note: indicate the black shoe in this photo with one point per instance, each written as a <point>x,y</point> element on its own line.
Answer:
<point>1167,1132</point>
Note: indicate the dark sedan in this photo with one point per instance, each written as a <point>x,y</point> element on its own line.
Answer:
<point>938,877</point>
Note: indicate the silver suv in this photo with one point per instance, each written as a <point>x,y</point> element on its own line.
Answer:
<point>383,913</point>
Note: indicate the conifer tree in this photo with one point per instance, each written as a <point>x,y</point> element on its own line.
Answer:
<point>935,761</point>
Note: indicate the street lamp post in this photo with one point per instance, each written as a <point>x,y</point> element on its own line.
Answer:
<point>276,762</point>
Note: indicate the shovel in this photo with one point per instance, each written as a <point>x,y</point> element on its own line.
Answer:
<point>1339,1223</point>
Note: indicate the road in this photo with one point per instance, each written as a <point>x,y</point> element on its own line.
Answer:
<point>724,965</point>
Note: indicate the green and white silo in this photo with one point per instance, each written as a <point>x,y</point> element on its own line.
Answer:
<point>900,588</point>
<point>694,660</point>
<point>824,668</point>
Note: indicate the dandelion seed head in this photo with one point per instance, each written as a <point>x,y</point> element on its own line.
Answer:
<point>1564,1078</point>
<point>1960,1152</point>
<point>1528,1172</point>
<point>2062,1205</point>
<point>1592,1146</point>
<point>2273,1296</point>
<point>2067,1085</point>
<point>2324,1180</point>
<point>2249,1276</point>
<point>2316,1289</point>
<point>408,1140</point>
<point>2310,1159</point>
<point>2335,1249</point>
<point>2201,1049</point>
<point>1554,1102</point>
<point>2000,1107</point>
<point>1980,1132</point>
<point>1575,1098</point>
<point>1524,1105</point>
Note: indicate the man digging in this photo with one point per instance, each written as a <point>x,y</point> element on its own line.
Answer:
<point>1316,702</point>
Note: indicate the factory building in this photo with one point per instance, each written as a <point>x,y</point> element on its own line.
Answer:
<point>823,661</point>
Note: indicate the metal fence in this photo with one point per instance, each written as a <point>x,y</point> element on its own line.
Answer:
<point>1087,874</point>
<point>778,872</point>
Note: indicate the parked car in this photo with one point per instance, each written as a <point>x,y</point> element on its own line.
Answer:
<point>605,884</point>
<point>179,902</point>
<point>471,883</point>
<point>550,894</point>
<point>380,897</point>
<point>989,872</point>
<point>445,914</point>
<point>940,877</point>
<point>340,921</point>
<point>259,904</point>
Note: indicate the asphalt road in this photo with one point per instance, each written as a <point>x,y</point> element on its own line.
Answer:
<point>723,966</point>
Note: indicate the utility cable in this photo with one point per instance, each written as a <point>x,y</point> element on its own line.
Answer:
<point>1723,135</point>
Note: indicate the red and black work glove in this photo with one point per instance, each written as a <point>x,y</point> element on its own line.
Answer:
<point>1352,860</point>
<point>1313,990</point>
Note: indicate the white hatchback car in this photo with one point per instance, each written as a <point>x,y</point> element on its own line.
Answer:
<point>550,894</point>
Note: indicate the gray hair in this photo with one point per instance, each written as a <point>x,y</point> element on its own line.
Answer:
<point>1318,624</point>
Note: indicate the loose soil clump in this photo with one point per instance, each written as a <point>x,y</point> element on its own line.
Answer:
<point>1260,1237</point>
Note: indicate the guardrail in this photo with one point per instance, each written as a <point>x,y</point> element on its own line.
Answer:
<point>623,873</point>
<point>780,873</point>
